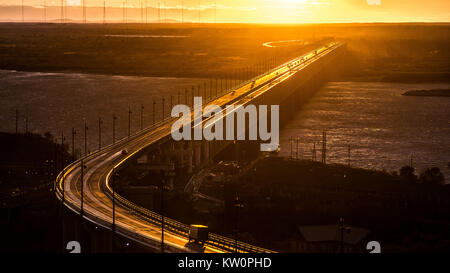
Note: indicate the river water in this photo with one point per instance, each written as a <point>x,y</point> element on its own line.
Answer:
<point>383,129</point>
<point>56,102</point>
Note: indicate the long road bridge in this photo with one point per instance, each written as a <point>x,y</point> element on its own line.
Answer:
<point>85,186</point>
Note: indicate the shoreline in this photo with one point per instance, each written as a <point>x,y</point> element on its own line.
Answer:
<point>428,93</point>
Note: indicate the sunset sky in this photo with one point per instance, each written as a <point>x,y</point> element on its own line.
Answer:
<point>255,11</point>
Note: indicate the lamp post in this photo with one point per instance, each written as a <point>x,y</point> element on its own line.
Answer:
<point>100,133</point>
<point>163,102</point>
<point>342,229</point>
<point>113,227</point>
<point>82,188</point>
<point>85,138</point>
<point>73,142</point>
<point>114,128</point>
<point>154,111</point>
<point>129,121</point>
<point>237,206</point>
<point>142,117</point>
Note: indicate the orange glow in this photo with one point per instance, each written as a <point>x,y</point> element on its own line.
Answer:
<point>239,11</point>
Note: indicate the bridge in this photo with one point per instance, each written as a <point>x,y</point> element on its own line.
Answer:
<point>85,187</point>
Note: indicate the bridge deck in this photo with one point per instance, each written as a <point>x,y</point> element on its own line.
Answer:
<point>137,223</point>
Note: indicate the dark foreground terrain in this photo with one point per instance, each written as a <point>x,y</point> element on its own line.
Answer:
<point>404,211</point>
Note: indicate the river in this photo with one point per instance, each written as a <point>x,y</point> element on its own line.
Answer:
<point>383,129</point>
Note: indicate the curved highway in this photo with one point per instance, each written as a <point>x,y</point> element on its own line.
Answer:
<point>138,223</point>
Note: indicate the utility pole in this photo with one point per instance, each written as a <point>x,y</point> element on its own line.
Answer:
<point>290,142</point>
<point>324,147</point>
<point>159,12</point>
<point>142,117</point>
<point>163,102</point>
<point>314,152</point>
<point>182,12</point>
<point>126,11</point>
<point>26,123</point>
<point>342,229</point>
<point>146,12</point>
<point>114,128</point>
<point>237,206</point>
<point>142,12</point>
<point>215,12</point>
<point>62,210</point>
<point>210,88</point>
<point>17,121</point>
<point>162,214</point>
<point>199,11</point>
<point>45,11</point>
<point>204,91</point>
<point>82,188</point>
<point>104,11</point>
<point>349,155</point>
<point>100,133</point>
<point>85,139</point>
<point>113,227</point>
<point>154,111</point>
<point>23,12</point>
<point>123,12</point>
<point>62,151</point>
<point>73,142</point>
<point>84,11</point>
<point>129,121</point>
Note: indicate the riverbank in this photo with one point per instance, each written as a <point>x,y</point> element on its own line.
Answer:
<point>376,52</point>
<point>428,93</point>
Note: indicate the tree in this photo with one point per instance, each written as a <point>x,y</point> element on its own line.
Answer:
<point>432,176</point>
<point>407,174</point>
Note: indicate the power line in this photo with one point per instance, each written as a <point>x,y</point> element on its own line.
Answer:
<point>159,12</point>
<point>45,10</point>
<point>84,11</point>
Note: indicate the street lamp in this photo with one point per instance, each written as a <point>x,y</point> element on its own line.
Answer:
<point>142,117</point>
<point>343,228</point>
<point>113,227</point>
<point>237,206</point>
<point>82,187</point>
<point>73,142</point>
<point>129,121</point>
<point>85,138</point>
<point>100,133</point>
<point>114,128</point>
